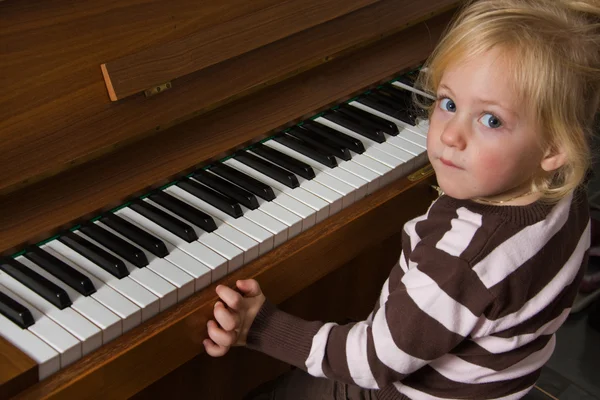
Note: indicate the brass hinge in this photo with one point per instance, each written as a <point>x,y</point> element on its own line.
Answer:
<point>424,172</point>
<point>157,89</point>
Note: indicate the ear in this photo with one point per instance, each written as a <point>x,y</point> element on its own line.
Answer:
<point>554,159</point>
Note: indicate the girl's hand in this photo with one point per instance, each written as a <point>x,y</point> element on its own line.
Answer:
<point>234,316</point>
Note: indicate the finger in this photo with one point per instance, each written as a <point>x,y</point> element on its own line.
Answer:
<point>230,297</point>
<point>213,349</point>
<point>249,287</point>
<point>220,336</point>
<point>228,319</point>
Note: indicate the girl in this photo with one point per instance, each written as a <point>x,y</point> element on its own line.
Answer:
<point>489,273</point>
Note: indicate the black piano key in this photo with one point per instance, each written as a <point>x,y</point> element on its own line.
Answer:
<point>15,311</point>
<point>370,119</point>
<point>308,150</point>
<point>320,142</point>
<point>212,197</point>
<point>271,170</point>
<point>334,135</point>
<point>408,98</point>
<point>184,210</point>
<point>98,256</point>
<point>170,223</point>
<point>61,270</point>
<point>137,235</point>
<point>34,281</point>
<point>406,111</point>
<point>387,108</point>
<point>408,80</point>
<point>354,125</point>
<point>227,188</point>
<point>117,245</point>
<point>247,182</point>
<point>285,161</point>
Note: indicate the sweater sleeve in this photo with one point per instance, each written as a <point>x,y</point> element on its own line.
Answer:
<point>422,314</point>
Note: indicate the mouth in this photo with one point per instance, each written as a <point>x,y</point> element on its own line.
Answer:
<point>448,163</point>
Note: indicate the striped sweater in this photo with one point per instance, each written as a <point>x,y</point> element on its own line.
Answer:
<point>469,311</point>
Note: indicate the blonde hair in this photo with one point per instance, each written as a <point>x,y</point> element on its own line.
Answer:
<point>553,49</point>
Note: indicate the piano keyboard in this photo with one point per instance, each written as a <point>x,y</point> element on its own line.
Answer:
<point>66,297</point>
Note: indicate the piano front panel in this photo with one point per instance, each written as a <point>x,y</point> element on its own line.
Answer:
<point>55,112</point>
<point>39,210</point>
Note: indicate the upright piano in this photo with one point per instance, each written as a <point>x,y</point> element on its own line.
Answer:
<point>151,150</point>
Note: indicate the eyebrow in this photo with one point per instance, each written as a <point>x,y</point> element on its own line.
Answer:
<point>482,100</point>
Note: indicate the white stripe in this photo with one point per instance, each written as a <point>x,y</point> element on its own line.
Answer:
<point>463,229</point>
<point>418,395</point>
<point>356,354</point>
<point>436,303</point>
<point>385,293</point>
<point>513,252</point>
<point>459,370</point>
<point>403,262</point>
<point>562,279</point>
<point>498,345</point>
<point>314,362</point>
<point>386,349</point>
<point>409,227</point>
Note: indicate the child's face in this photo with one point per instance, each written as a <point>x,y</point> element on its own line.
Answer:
<point>481,141</point>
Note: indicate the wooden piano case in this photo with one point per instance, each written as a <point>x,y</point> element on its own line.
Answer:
<point>104,100</point>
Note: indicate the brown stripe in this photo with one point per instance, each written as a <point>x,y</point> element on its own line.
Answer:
<point>536,273</point>
<point>430,381</point>
<point>415,332</point>
<point>453,275</point>
<point>437,222</point>
<point>335,363</point>
<point>553,310</point>
<point>382,374</point>
<point>475,354</point>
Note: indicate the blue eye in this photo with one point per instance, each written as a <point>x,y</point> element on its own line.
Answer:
<point>447,105</point>
<point>491,121</point>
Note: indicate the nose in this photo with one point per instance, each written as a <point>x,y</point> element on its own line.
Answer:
<point>454,134</point>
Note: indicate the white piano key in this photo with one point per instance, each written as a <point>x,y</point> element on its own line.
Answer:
<point>201,274</point>
<point>163,267</point>
<point>315,202</point>
<point>108,322</point>
<point>67,345</point>
<point>419,140</point>
<point>308,215</point>
<point>368,143</point>
<point>166,293</point>
<point>244,225</point>
<point>128,312</point>
<point>293,221</point>
<point>195,249</point>
<point>406,145</point>
<point>332,197</point>
<point>373,178</point>
<point>140,296</point>
<point>47,359</point>
<point>400,167</point>
<point>221,251</point>
<point>277,228</point>
<point>330,183</point>
<point>385,172</point>
<point>88,334</point>
<point>216,263</point>
<point>247,244</point>
<point>359,184</point>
